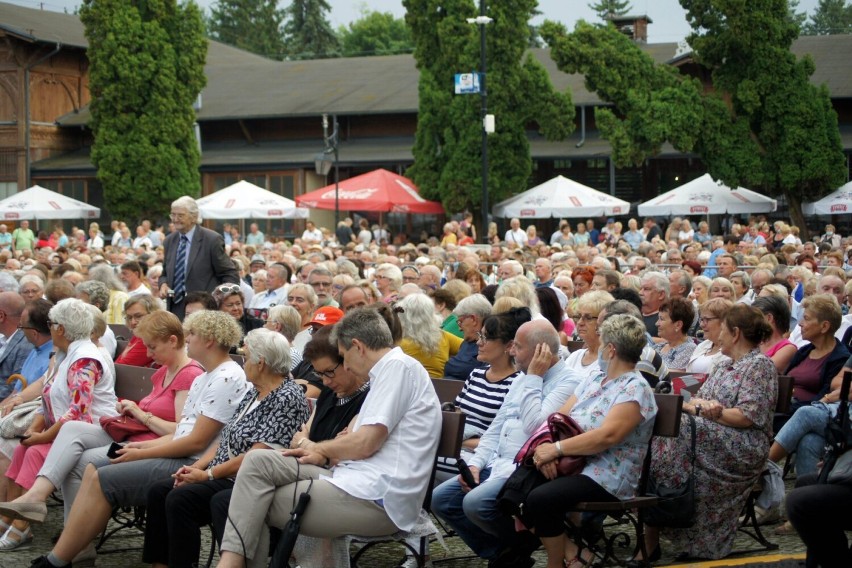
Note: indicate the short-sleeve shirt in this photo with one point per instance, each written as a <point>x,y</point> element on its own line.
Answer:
<point>272,422</point>
<point>402,399</point>
<point>161,401</point>
<point>215,394</point>
<point>618,468</point>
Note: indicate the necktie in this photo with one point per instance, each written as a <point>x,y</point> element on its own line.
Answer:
<point>180,266</point>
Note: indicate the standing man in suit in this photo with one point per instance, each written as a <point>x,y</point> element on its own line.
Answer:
<point>195,258</point>
<point>17,348</point>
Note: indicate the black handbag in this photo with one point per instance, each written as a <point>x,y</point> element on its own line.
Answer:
<point>513,494</point>
<point>676,508</point>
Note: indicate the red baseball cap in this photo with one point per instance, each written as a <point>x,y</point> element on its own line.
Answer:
<point>327,315</point>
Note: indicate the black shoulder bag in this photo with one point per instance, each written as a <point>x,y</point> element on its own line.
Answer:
<point>676,508</point>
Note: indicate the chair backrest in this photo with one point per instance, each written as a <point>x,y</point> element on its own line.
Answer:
<point>575,345</point>
<point>121,331</point>
<point>447,389</point>
<point>669,412</point>
<point>449,446</point>
<point>452,432</point>
<point>785,394</point>
<point>133,383</point>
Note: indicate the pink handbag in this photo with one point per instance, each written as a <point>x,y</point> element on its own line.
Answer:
<point>557,427</point>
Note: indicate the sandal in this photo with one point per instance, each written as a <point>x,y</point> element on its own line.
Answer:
<point>578,561</point>
<point>785,529</point>
<point>25,538</point>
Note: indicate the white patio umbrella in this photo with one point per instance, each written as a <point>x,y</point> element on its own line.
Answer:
<point>244,200</point>
<point>561,197</point>
<point>40,203</point>
<point>705,196</point>
<point>836,203</point>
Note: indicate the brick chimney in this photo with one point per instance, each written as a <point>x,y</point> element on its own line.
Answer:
<point>634,27</point>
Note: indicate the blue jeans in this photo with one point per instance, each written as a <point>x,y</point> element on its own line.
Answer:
<point>804,433</point>
<point>474,515</point>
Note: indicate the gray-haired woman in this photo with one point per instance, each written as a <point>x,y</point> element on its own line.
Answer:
<point>81,388</point>
<point>267,418</point>
<point>616,410</point>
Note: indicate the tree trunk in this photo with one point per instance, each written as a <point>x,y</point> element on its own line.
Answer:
<point>796,216</point>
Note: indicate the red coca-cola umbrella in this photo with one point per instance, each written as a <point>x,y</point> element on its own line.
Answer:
<point>379,190</point>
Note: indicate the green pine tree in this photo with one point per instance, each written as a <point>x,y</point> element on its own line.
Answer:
<point>830,17</point>
<point>146,71</point>
<point>307,32</point>
<point>608,8</point>
<point>253,25</point>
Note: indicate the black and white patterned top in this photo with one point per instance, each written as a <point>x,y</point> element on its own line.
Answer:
<point>273,421</point>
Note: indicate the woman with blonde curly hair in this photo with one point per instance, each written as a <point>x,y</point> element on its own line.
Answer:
<point>422,336</point>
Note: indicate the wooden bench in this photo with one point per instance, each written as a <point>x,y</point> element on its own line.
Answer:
<point>133,383</point>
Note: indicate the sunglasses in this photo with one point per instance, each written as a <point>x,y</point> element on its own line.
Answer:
<point>228,288</point>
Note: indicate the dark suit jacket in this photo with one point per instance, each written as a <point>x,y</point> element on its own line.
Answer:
<point>208,264</point>
<point>14,356</point>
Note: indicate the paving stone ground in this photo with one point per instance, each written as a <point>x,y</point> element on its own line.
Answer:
<point>384,556</point>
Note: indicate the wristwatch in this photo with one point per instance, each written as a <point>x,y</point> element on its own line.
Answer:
<point>210,473</point>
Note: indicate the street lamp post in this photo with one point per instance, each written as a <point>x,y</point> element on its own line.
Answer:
<point>323,164</point>
<point>483,21</point>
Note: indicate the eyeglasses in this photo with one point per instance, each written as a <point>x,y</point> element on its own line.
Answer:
<point>134,317</point>
<point>705,320</point>
<point>321,284</point>
<point>53,324</point>
<point>481,338</point>
<point>228,288</point>
<point>22,326</point>
<point>329,374</point>
<point>587,317</point>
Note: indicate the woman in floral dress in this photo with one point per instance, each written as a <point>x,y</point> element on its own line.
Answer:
<point>733,416</point>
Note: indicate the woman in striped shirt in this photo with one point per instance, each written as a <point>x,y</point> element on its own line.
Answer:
<point>487,386</point>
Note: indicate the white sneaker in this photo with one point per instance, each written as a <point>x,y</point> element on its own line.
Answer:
<point>411,562</point>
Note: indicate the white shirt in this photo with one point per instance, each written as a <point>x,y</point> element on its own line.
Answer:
<point>140,290</point>
<point>214,394</point>
<point>575,363</point>
<point>109,341</point>
<point>519,237</point>
<point>701,362</point>
<point>269,298</point>
<point>401,398</point>
<point>315,235</point>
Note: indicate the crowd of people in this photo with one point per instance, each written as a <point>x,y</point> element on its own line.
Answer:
<point>341,331</point>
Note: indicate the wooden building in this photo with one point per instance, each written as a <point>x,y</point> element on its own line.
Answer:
<point>260,120</point>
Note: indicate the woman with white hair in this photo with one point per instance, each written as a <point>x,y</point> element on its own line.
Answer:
<point>521,288</point>
<point>82,388</point>
<point>32,287</point>
<point>117,292</point>
<point>388,279</point>
<point>288,322</point>
<point>268,416</point>
<point>304,300</point>
<point>422,336</point>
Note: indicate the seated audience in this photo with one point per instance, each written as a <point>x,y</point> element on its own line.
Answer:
<point>126,480</point>
<point>268,416</point>
<point>733,412</point>
<point>616,410</point>
<point>585,361</point>
<point>470,313</point>
<point>472,513</point>
<point>676,315</point>
<point>386,456</point>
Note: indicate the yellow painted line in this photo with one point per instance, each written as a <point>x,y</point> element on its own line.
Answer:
<point>741,561</point>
